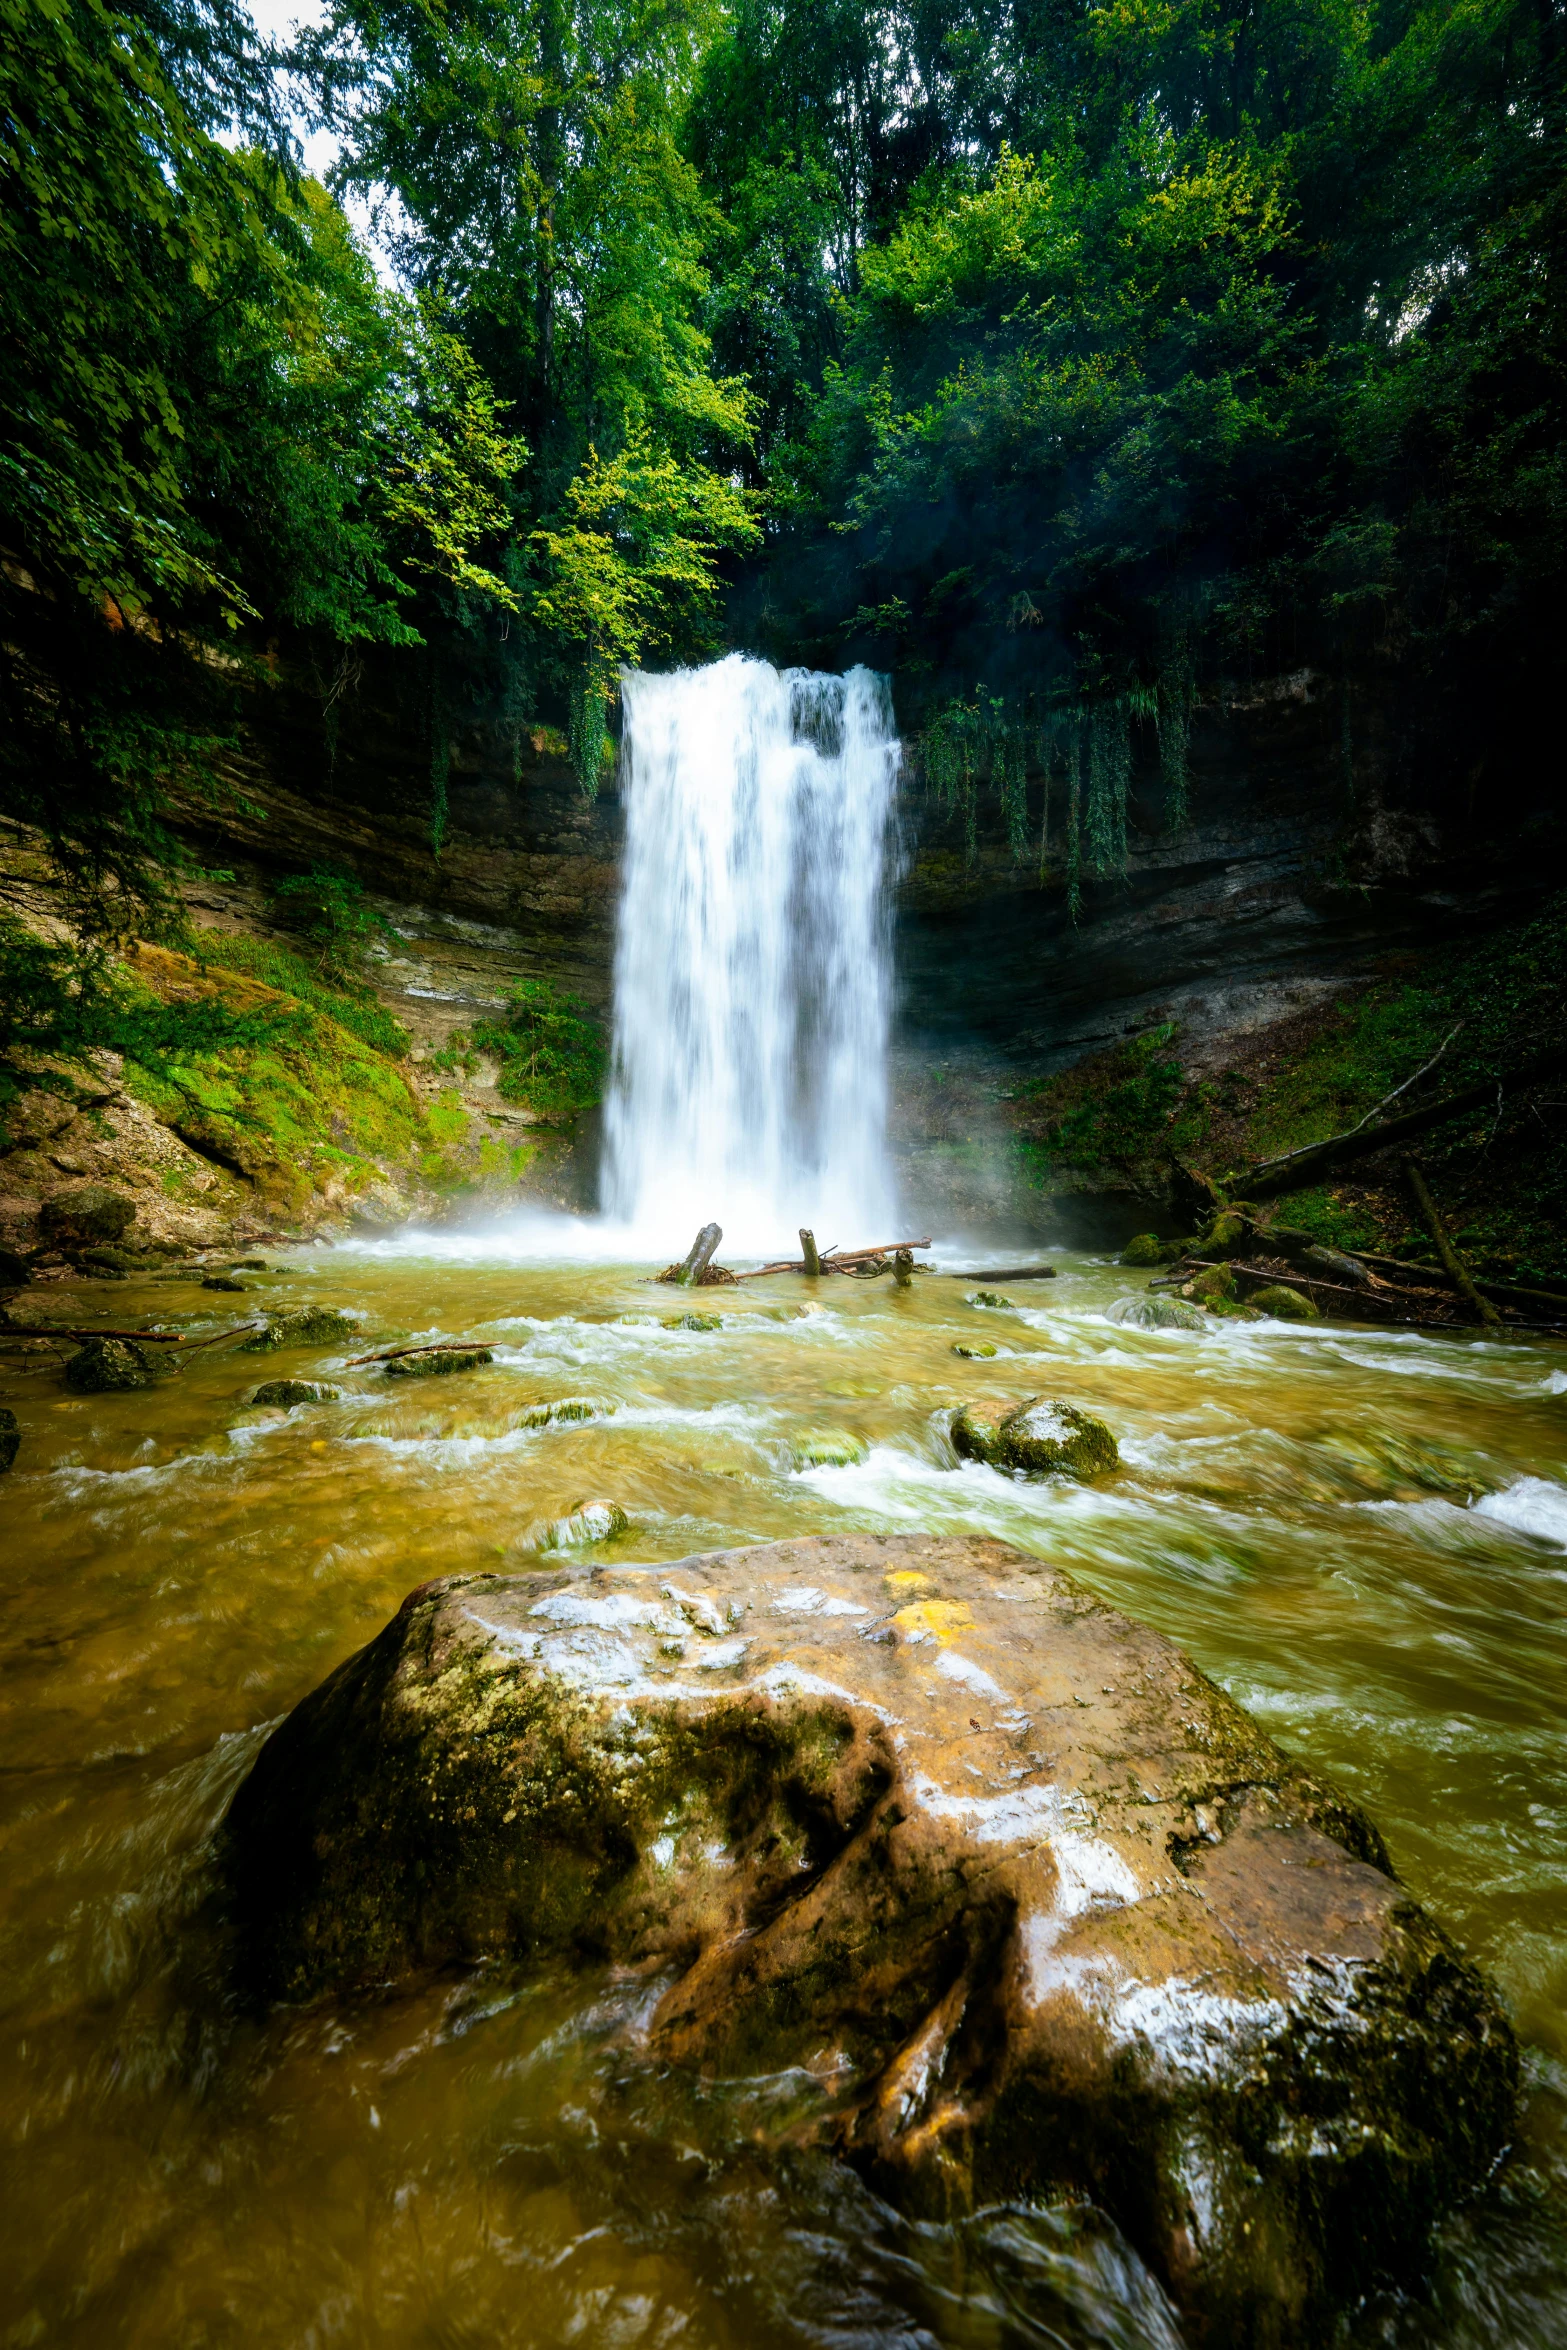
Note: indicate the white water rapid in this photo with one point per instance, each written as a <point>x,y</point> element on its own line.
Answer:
<point>752,984</point>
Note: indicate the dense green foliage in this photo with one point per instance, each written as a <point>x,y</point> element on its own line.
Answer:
<point>550,1049</point>
<point>1073,361</point>
<point>1153,345</point>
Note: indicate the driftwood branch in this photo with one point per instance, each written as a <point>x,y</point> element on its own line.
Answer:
<point>1458,1271</point>
<point>139,1337</point>
<point>1009,1273</point>
<point>1300,1168</point>
<point>698,1257</point>
<point>835,1260</point>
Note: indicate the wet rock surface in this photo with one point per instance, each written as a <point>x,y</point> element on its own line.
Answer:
<point>1043,1437</point>
<point>286,1393</point>
<point>1042,1910</point>
<point>108,1366</point>
<point>430,1364</point>
<point>1154,1313</point>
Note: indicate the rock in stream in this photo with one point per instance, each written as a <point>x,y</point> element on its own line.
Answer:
<point>1044,1911</point>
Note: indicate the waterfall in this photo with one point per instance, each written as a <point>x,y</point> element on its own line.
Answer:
<point>752,990</point>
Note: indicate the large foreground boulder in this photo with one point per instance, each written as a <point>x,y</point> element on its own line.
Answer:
<point>1040,1908</point>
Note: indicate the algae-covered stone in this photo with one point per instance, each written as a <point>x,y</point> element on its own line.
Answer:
<point>1209,1287</point>
<point>1154,1313</point>
<point>105,1366</point>
<point>1069,1922</point>
<point>302,1326</point>
<point>1283,1303</point>
<point>223,1281</point>
<point>992,1298</point>
<point>1145,1248</point>
<point>289,1392</point>
<point>437,1360</point>
<point>693,1321</point>
<point>565,1408</point>
<point>974,1433</point>
<point>86,1217</point>
<point>828,1448</point>
<point>1050,1438</point>
<point>1229,1235</point>
<point>10,1439</point>
<point>974,1350</point>
<point>586,1521</point>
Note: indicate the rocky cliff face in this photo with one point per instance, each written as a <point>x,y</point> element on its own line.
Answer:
<point>1293,876</point>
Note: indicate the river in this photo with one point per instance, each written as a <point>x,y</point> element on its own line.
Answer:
<point>1361,1534</point>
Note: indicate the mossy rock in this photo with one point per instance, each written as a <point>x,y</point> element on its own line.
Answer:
<point>974,1350</point>
<point>828,1448</point>
<point>108,1366</point>
<point>224,1281</point>
<point>88,1217</point>
<point>96,1264</point>
<point>1229,1235</point>
<point>693,1321</point>
<point>585,1522</point>
<point>438,1361</point>
<point>250,1265</point>
<point>289,1392</point>
<point>1208,2007</point>
<point>302,1326</point>
<point>993,1299</point>
<point>10,1439</point>
<point>1217,1283</point>
<point>1145,1248</point>
<point>974,1433</point>
<point>565,1408</point>
<point>1049,1438</point>
<point>15,1271</point>
<point>117,1260</point>
<point>1283,1303</point>
<point>1154,1313</point>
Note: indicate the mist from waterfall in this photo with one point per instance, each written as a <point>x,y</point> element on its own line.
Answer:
<point>752,967</point>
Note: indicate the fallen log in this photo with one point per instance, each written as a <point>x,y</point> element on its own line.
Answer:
<point>833,1260</point>
<point>1009,1273</point>
<point>1297,1170</point>
<point>1457,1271</point>
<point>1364,1305</point>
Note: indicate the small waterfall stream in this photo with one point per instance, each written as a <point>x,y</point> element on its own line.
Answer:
<point>752,979</point>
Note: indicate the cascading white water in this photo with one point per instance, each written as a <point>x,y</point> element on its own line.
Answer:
<point>752,988</point>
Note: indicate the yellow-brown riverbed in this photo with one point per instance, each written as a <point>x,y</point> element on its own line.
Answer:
<point>1362,1534</point>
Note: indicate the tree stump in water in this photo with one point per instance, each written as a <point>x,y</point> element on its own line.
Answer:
<point>813,1263</point>
<point>694,1271</point>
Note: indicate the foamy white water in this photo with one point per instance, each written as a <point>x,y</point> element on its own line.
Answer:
<point>752,981</point>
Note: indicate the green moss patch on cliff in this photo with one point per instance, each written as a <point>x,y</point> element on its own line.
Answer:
<point>303,1095</point>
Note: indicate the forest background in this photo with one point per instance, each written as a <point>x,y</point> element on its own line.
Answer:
<point>1061,359</point>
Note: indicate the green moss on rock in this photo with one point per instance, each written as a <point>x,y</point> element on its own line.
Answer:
<point>437,1361</point>
<point>302,1326</point>
<point>1209,1288</point>
<point>1047,1437</point>
<point>974,1433</point>
<point>1283,1303</point>
<point>974,1350</point>
<point>286,1393</point>
<point>1145,1248</point>
<point>108,1366</point>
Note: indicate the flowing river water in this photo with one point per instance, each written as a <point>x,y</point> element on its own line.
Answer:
<point>1361,1534</point>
